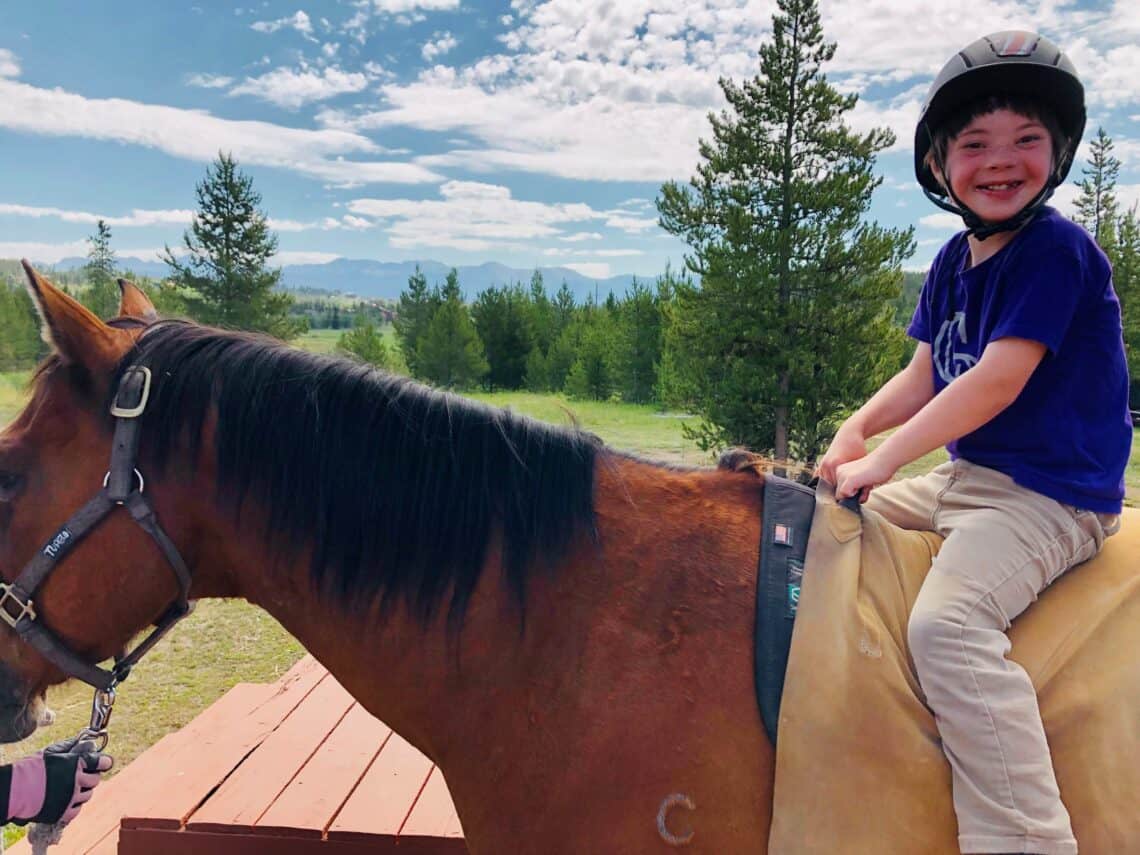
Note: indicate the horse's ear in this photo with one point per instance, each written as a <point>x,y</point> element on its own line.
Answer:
<point>69,327</point>
<point>135,303</point>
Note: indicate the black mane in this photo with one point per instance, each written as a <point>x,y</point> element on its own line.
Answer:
<point>398,488</point>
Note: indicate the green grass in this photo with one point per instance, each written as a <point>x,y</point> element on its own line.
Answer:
<point>324,341</point>
<point>13,393</point>
<point>631,427</point>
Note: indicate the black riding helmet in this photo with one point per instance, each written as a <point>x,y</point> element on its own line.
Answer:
<point>1012,62</point>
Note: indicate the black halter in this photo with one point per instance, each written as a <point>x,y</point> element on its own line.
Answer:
<point>124,487</point>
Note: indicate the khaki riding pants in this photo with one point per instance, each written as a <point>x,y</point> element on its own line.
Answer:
<point>1004,544</point>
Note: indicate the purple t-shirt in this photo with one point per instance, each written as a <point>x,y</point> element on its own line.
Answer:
<point>1068,434</point>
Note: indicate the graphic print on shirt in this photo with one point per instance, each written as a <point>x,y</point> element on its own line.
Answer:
<point>947,361</point>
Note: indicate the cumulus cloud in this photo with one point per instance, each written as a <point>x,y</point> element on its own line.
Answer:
<point>9,65</point>
<point>397,6</point>
<point>298,21</point>
<point>475,216</point>
<point>597,90</point>
<point>137,217</point>
<point>439,46</point>
<point>198,136</point>
<point>208,81</point>
<point>293,88</point>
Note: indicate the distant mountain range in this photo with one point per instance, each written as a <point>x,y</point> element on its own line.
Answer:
<point>384,279</point>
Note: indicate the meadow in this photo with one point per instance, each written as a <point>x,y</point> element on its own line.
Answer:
<point>225,642</point>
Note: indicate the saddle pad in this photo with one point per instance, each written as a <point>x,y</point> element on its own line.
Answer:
<point>788,511</point>
<point>859,765</point>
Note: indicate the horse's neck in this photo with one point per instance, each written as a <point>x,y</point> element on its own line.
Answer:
<point>620,641</point>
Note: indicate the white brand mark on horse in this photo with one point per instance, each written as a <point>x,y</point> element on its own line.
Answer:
<point>675,800</point>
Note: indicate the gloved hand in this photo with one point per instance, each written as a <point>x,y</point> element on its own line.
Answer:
<point>52,786</point>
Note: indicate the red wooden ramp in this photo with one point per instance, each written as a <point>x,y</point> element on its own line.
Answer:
<point>290,768</point>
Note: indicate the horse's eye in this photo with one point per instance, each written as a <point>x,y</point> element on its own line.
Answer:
<point>10,484</point>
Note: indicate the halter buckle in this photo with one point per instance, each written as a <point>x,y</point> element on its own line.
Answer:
<point>134,382</point>
<point>25,608</point>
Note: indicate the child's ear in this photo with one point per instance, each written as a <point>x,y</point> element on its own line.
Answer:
<point>932,164</point>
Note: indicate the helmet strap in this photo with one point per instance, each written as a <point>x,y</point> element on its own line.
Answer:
<point>975,225</point>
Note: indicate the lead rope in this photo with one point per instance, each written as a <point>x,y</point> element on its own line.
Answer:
<point>41,835</point>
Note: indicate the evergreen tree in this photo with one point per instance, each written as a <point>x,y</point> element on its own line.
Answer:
<point>563,309</point>
<point>365,343</point>
<point>638,345</point>
<point>1097,205</point>
<point>593,373</point>
<point>414,312</point>
<point>450,353</point>
<point>20,342</point>
<point>792,323</point>
<point>102,294</point>
<point>226,275</point>
<point>542,322</point>
<point>502,319</point>
<point>1126,279</point>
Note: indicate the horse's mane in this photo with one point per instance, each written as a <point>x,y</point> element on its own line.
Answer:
<point>397,488</point>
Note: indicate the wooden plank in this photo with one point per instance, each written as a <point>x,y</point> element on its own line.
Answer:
<point>249,792</point>
<point>384,798</point>
<point>148,841</point>
<point>133,788</point>
<point>313,798</point>
<point>200,756</point>
<point>433,814</point>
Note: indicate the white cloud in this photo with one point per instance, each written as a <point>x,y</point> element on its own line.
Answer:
<point>396,6</point>
<point>298,21</point>
<point>136,217</point>
<point>577,237</point>
<point>441,45</point>
<point>945,220</point>
<point>43,253</point>
<point>474,216</point>
<point>297,226</point>
<point>293,88</point>
<point>198,136</point>
<point>597,90</point>
<point>208,81</point>
<point>9,64</point>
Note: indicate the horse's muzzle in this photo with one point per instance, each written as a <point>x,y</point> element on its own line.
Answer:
<point>20,712</point>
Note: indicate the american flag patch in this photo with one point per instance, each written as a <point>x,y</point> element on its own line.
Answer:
<point>782,534</point>
<point>1016,44</point>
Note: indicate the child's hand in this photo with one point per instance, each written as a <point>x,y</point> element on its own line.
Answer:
<point>848,445</point>
<point>862,475</point>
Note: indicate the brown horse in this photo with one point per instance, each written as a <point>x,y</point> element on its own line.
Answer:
<point>564,629</point>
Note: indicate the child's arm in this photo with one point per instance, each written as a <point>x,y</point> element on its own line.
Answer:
<point>963,406</point>
<point>896,401</point>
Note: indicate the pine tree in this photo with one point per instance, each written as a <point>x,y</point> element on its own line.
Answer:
<point>638,345</point>
<point>450,353</point>
<point>229,245</point>
<point>791,323</point>
<point>503,320</point>
<point>593,373</point>
<point>20,342</point>
<point>102,294</point>
<point>1097,205</point>
<point>414,312</point>
<point>365,343</point>
<point>1126,279</point>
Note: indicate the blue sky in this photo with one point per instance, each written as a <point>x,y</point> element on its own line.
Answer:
<point>528,132</point>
